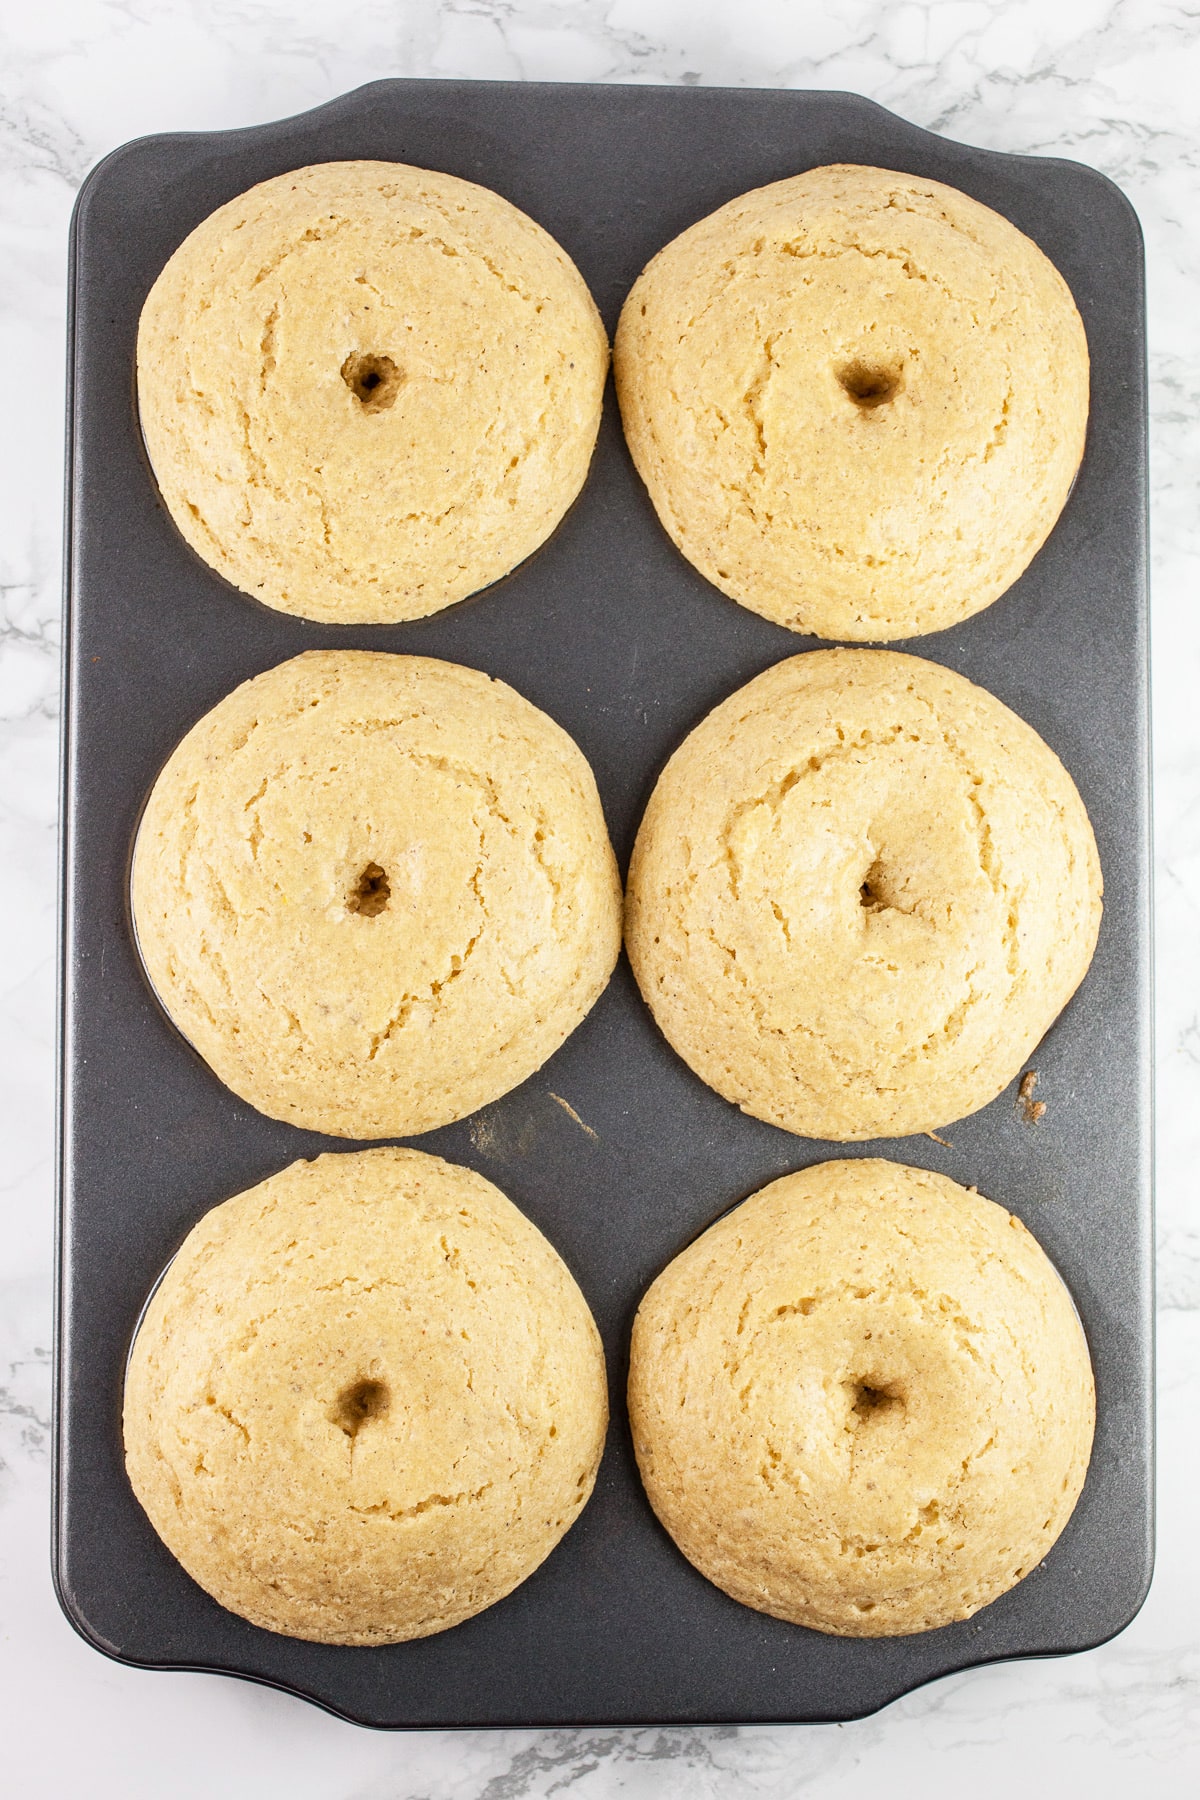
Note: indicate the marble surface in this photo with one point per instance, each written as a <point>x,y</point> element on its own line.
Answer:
<point>1111,82</point>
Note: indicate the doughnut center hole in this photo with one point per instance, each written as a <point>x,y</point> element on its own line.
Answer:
<point>868,384</point>
<point>871,895</point>
<point>359,1403</point>
<point>871,1402</point>
<point>373,380</point>
<point>372,892</point>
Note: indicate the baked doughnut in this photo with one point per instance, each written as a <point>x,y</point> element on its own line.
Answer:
<point>861,893</point>
<point>366,1401</point>
<point>368,390</point>
<point>375,891</point>
<point>862,1401</point>
<point>858,400</point>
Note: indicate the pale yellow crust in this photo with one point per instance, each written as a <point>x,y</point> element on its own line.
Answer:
<point>367,1400</point>
<point>862,892</point>
<point>858,400</point>
<point>310,473</point>
<point>862,1401</point>
<point>375,891</point>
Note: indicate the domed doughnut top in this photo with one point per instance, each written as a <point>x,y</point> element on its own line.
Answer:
<point>366,1401</point>
<point>862,1401</point>
<point>375,891</point>
<point>858,400</point>
<point>861,893</point>
<point>368,390</point>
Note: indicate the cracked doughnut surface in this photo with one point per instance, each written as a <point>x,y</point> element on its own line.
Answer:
<point>366,1401</point>
<point>862,892</point>
<point>368,390</point>
<point>375,892</point>
<point>858,400</point>
<point>862,1401</point>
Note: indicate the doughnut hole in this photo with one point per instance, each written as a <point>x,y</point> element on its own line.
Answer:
<point>371,893</point>
<point>359,1404</point>
<point>373,380</point>
<point>871,1403</point>
<point>869,384</point>
<point>870,894</point>
<point>881,890</point>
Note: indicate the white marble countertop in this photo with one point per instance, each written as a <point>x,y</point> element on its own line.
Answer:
<point>1110,82</point>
